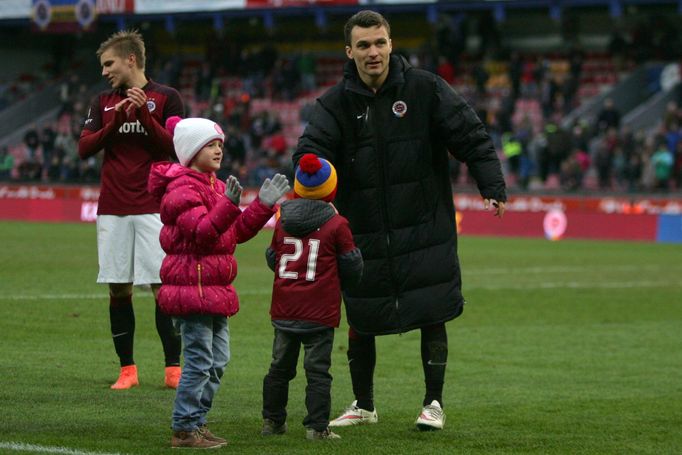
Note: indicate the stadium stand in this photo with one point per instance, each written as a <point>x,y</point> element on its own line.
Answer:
<point>539,99</point>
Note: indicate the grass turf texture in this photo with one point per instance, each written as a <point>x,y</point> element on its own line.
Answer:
<point>564,347</point>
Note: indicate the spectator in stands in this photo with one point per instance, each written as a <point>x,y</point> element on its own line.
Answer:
<point>512,148</point>
<point>66,145</point>
<point>264,124</point>
<point>618,167</point>
<point>677,167</point>
<point>387,128</point>
<point>47,138</point>
<point>608,117</point>
<point>603,157</point>
<point>569,91</point>
<point>306,67</point>
<point>32,141</point>
<point>632,171</point>
<point>580,136</point>
<point>6,163</point>
<point>4,94</point>
<point>557,149</point>
<point>574,169</point>
<point>30,165</point>
<point>127,122</point>
<point>446,70</point>
<point>617,48</point>
<point>673,136</point>
<point>276,142</point>
<point>285,80</point>
<point>672,115</point>
<point>481,77</point>
<point>265,168</point>
<point>662,162</point>
<point>202,90</point>
<point>235,153</point>
<point>515,70</point>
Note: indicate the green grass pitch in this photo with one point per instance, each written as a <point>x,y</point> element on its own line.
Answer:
<point>563,347</point>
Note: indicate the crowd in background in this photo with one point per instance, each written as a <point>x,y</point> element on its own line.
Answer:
<point>504,86</point>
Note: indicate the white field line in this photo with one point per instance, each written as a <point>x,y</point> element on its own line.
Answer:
<point>22,447</point>
<point>561,269</point>
<point>467,287</point>
<point>576,285</point>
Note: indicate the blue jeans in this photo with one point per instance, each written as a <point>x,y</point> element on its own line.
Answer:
<point>206,350</point>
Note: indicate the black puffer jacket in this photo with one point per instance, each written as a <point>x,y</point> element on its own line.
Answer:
<point>390,150</point>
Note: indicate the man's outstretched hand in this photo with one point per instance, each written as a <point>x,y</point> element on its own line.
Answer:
<point>499,207</point>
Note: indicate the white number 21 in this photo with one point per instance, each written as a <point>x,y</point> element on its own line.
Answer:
<point>314,247</point>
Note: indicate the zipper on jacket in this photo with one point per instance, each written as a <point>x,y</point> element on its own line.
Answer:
<point>211,181</point>
<point>201,291</point>
<point>379,143</point>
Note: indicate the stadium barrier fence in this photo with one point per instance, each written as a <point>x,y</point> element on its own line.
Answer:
<point>633,217</point>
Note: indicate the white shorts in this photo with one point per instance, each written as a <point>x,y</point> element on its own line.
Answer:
<point>128,248</point>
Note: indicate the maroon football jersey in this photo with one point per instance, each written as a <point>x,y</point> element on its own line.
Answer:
<point>307,285</point>
<point>130,143</point>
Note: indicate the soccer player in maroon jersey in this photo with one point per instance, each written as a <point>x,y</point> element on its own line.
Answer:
<point>127,122</point>
<point>313,255</point>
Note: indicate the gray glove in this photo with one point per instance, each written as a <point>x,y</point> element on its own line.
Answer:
<point>233,190</point>
<point>272,190</point>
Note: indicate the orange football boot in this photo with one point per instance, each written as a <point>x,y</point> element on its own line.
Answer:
<point>173,377</point>
<point>127,378</point>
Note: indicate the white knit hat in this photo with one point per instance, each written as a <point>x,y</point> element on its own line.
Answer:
<point>191,134</point>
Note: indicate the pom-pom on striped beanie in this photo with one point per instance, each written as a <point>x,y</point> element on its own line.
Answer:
<point>315,178</point>
<point>191,135</point>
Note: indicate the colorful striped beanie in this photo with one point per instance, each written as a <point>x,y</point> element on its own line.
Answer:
<point>315,178</point>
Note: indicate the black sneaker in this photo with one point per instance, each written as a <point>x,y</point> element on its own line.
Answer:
<point>314,435</point>
<point>270,428</point>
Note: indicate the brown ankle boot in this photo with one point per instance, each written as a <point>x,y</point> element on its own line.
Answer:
<point>206,433</point>
<point>193,440</point>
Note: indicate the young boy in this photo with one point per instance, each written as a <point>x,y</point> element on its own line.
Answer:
<point>202,224</point>
<point>313,255</point>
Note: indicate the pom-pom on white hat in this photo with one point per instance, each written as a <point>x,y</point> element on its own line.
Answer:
<point>191,135</point>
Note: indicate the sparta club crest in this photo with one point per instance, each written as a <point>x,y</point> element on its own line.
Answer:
<point>151,105</point>
<point>399,109</point>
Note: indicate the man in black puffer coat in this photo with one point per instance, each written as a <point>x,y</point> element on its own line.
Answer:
<point>387,128</point>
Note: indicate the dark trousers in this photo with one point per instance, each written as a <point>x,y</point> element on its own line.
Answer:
<point>362,360</point>
<point>317,351</point>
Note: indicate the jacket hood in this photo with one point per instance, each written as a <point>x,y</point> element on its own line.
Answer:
<point>300,217</point>
<point>163,173</point>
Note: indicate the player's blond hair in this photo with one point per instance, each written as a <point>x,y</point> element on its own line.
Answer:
<point>124,43</point>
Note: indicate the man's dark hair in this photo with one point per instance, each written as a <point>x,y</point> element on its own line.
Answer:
<point>365,19</point>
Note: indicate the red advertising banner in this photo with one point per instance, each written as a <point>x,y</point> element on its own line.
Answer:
<point>297,3</point>
<point>552,217</point>
<point>115,6</point>
<point>636,205</point>
<point>578,225</point>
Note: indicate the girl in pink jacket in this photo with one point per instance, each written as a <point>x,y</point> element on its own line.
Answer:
<point>202,226</point>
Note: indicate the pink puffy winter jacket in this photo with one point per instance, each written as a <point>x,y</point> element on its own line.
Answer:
<point>201,228</point>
